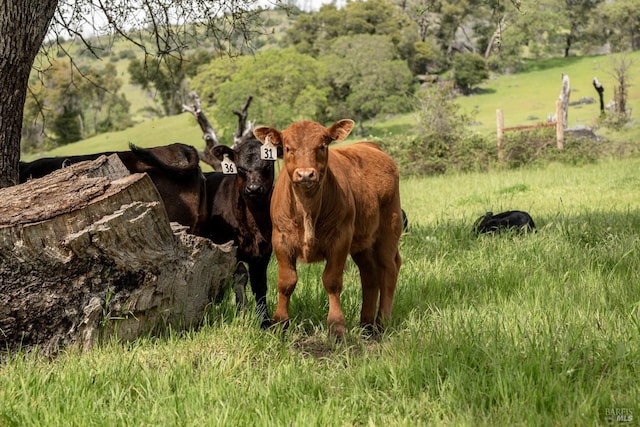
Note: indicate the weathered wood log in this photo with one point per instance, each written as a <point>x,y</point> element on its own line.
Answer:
<point>88,252</point>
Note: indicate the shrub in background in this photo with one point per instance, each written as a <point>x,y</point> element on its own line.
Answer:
<point>442,142</point>
<point>469,70</point>
<point>540,147</point>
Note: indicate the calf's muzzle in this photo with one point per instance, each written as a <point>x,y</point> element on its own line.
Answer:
<point>305,176</point>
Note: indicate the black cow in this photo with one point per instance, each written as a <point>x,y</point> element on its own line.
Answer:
<point>239,211</point>
<point>174,170</point>
<point>510,220</point>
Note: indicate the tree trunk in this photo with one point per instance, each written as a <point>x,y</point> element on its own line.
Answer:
<point>88,252</point>
<point>23,25</point>
<point>567,46</point>
<point>208,132</point>
<point>245,127</point>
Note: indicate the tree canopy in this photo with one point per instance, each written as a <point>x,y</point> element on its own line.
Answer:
<point>286,86</point>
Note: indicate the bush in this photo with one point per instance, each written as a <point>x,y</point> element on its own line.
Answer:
<point>613,120</point>
<point>442,142</point>
<point>419,155</point>
<point>473,153</point>
<point>127,54</point>
<point>469,70</point>
<point>422,155</point>
<point>540,147</point>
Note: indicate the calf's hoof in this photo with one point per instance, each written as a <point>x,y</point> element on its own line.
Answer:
<point>371,331</point>
<point>266,323</point>
<point>282,324</point>
<point>336,330</point>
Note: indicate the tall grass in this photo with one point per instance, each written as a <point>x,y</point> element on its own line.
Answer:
<point>535,329</point>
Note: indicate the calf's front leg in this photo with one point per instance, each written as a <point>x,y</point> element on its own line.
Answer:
<point>287,280</point>
<point>332,281</point>
<point>258,275</point>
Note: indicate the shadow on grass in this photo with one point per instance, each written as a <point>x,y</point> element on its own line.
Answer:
<point>546,64</point>
<point>483,91</point>
<point>386,130</point>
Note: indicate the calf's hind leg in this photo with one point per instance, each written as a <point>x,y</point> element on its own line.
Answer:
<point>370,287</point>
<point>389,267</point>
<point>332,278</point>
<point>379,267</point>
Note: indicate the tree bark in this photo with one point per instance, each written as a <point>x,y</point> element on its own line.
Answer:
<point>23,26</point>
<point>245,127</point>
<point>565,93</point>
<point>208,132</point>
<point>87,253</point>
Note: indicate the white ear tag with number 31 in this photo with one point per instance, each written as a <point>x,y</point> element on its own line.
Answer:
<point>228,166</point>
<point>268,151</point>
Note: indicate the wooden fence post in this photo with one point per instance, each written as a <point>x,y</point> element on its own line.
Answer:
<point>559,124</point>
<point>500,132</point>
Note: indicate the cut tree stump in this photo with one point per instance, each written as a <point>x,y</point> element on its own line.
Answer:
<point>88,253</point>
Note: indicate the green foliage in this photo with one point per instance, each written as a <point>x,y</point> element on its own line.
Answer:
<point>420,156</point>
<point>621,19</point>
<point>442,142</point>
<point>126,54</point>
<point>66,125</point>
<point>613,120</point>
<point>168,77</point>
<point>469,70</point>
<point>313,33</point>
<point>285,84</point>
<point>427,58</point>
<point>366,78</point>
<point>539,147</point>
<point>70,104</point>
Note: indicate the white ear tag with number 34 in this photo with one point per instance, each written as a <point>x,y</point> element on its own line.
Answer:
<point>228,166</point>
<point>268,151</point>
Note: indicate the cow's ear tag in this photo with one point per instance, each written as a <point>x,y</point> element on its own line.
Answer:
<point>228,165</point>
<point>268,151</point>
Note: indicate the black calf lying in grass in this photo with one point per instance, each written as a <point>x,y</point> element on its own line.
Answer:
<point>510,220</point>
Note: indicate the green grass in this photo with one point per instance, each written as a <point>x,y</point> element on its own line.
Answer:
<point>536,329</point>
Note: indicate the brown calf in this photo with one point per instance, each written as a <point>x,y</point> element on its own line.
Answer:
<point>328,204</point>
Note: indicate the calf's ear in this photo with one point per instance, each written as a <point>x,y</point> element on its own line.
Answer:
<point>219,152</point>
<point>273,135</point>
<point>341,129</point>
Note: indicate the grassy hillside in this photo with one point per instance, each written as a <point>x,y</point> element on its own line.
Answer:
<point>181,128</point>
<point>535,329</point>
<point>527,98</point>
